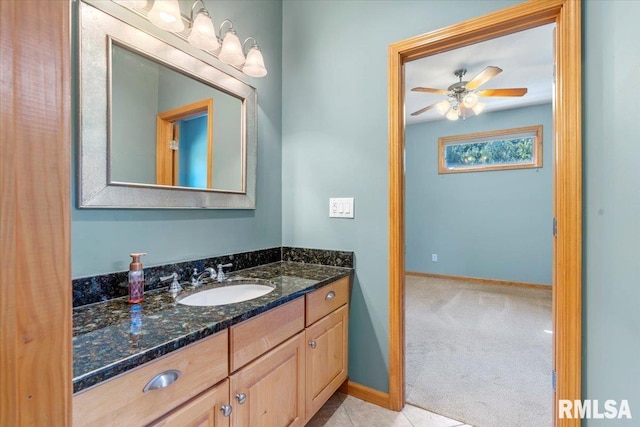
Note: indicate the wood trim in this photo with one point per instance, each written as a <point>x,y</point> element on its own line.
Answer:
<point>35,204</point>
<point>567,178</point>
<point>536,161</point>
<point>482,280</point>
<point>167,158</point>
<point>396,224</point>
<point>568,207</point>
<point>365,393</point>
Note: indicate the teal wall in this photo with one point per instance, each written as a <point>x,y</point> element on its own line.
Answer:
<point>493,225</point>
<point>134,106</point>
<point>334,143</point>
<point>611,299</point>
<point>101,239</point>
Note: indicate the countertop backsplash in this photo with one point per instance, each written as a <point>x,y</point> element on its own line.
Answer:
<point>100,288</point>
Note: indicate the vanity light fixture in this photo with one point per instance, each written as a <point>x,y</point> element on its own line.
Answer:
<point>231,51</point>
<point>254,65</point>
<point>203,34</point>
<point>165,14</point>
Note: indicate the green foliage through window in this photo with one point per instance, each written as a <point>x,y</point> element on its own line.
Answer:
<point>516,148</point>
<point>504,151</point>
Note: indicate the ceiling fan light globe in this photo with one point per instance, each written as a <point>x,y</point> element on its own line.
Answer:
<point>470,100</point>
<point>442,107</point>
<point>478,108</point>
<point>453,114</point>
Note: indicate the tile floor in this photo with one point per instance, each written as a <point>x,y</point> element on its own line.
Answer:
<point>347,411</point>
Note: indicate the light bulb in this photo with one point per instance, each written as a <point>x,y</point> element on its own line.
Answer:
<point>470,100</point>
<point>453,114</point>
<point>203,35</point>
<point>254,66</point>
<point>231,52</point>
<point>165,14</point>
<point>478,107</point>
<point>443,106</point>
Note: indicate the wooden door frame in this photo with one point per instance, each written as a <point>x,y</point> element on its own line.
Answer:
<point>167,159</point>
<point>567,185</point>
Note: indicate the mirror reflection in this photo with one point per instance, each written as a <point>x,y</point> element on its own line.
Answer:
<point>169,129</point>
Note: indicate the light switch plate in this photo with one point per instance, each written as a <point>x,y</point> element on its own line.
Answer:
<point>341,207</point>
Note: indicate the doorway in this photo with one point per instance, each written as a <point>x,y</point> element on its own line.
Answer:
<point>567,209</point>
<point>478,209</point>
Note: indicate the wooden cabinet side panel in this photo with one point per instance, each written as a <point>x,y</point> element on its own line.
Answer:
<point>121,402</point>
<point>274,386</point>
<point>35,206</point>
<point>326,364</point>
<point>202,411</point>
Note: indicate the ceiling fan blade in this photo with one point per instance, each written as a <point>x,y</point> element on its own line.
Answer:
<point>484,76</point>
<point>520,91</point>
<point>430,90</point>
<point>427,108</point>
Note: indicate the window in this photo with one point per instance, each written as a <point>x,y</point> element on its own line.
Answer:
<point>518,148</point>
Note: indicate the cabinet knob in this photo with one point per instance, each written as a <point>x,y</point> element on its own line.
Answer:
<point>330,295</point>
<point>162,380</point>
<point>241,397</point>
<point>226,410</point>
<point>312,344</point>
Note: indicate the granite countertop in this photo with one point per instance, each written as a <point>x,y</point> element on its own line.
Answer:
<point>111,337</point>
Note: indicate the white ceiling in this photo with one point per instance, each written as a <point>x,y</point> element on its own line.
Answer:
<point>526,59</point>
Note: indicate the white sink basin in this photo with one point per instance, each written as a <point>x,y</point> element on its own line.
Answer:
<point>238,291</point>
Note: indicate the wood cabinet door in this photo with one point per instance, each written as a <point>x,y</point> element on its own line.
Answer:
<point>269,392</point>
<point>206,410</point>
<point>326,358</point>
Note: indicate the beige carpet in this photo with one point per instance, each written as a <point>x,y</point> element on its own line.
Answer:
<point>479,353</point>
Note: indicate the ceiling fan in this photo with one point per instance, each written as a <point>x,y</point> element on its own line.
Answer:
<point>463,95</point>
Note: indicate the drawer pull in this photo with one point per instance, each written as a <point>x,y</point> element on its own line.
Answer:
<point>226,410</point>
<point>331,295</point>
<point>162,380</point>
<point>241,398</point>
<point>313,344</point>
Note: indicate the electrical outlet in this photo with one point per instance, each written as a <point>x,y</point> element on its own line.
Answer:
<point>434,257</point>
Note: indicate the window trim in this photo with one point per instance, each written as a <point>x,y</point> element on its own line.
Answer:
<point>536,162</point>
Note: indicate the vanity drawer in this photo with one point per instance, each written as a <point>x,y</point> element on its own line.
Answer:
<point>252,338</point>
<point>122,401</point>
<point>326,299</point>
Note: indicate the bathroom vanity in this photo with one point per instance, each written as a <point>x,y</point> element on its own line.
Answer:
<point>269,361</point>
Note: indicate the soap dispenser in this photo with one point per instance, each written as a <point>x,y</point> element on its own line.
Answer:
<point>136,279</point>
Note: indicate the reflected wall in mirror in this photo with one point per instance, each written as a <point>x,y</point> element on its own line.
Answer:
<point>153,105</point>
<point>142,99</point>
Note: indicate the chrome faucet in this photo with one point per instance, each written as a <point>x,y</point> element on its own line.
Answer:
<point>221,275</point>
<point>174,287</point>
<point>196,279</point>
